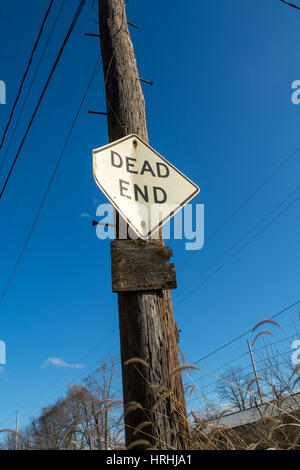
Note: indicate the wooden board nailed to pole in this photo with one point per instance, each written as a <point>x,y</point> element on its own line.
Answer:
<point>141,266</point>
<point>147,327</point>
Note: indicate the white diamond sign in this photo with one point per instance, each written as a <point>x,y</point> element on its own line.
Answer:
<point>144,188</point>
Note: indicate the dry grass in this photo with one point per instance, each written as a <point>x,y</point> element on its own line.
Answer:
<point>276,430</point>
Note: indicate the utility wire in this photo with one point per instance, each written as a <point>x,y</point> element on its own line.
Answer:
<point>244,334</point>
<point>290,4</point>
<point>259,188</point>
<point>48,187</point>
<point>77,14</point>
<point>249,198</point>
<point>31,84</point>
<point>94,8</point>
<point>217,381</point>
<point>42,205</point>
<point>26,72</point>
<point>240,249</point>
<point>255,350</point>
<point>265,347</point>
<point>249,365</point>
<point>238,241</point>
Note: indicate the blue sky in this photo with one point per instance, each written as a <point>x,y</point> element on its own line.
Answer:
<point>220,110</point>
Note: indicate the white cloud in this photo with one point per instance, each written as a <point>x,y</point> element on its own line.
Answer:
<point>58,362</point>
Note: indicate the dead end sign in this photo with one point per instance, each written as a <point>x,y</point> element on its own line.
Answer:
<point>144,188</point>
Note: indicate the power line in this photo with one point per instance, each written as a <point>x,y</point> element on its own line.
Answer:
<point>256,350</point>
<point>77,14</point>
<point>244,334</point>
<point>249,365</point>
<point>247,353</point>
<point>249,198</point>
<point>238,241</point>
<point>240,249</point>
<point>31,84</point>
<point>48,186</point>
<point>290,4</point>
<point>264,359</point>
<point>228,377</point>
<point>94,8</point>
<point>26,72</point>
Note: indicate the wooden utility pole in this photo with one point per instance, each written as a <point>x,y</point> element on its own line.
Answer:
<point>17,430</point>
<point>255,371</point>
<point>153,394</point>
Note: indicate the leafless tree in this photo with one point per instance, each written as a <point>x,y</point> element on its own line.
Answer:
<point>276,371</point>
<point>105,407</point>
<point>87,418</point>
<point>234,389</point>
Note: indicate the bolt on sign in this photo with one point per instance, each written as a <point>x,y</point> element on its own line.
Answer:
<point>144,188</point>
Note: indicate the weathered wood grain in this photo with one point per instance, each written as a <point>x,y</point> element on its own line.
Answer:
<point>140,266</point>
<point>147,327</point>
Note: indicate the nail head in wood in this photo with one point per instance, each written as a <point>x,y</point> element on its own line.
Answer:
<point>146,81</point>
<point>97,112</point>
<point>132,24</point>
<point>92,35</point>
